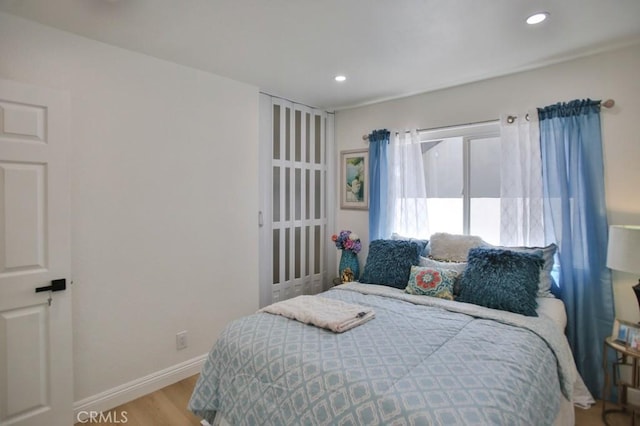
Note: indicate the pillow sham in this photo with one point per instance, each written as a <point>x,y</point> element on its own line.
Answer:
<point>453,247</point>
<point>545,281</point>
<point>502,279</point>
<point>389,262</point>
<point>459,267</point>
<point>434,282</point>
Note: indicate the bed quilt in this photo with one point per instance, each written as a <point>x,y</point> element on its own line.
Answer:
<point>421,361</point>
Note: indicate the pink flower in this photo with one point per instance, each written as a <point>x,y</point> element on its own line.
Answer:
<point>428,279</point>
<point>347,240</point>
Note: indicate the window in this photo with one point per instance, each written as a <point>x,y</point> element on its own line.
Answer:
<point>462,178</point>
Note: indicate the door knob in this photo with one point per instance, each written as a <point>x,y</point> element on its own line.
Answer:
<point>56,285</point>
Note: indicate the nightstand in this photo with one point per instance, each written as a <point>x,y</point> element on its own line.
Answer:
<point>625,376</point>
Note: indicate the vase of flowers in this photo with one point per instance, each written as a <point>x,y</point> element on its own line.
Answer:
<point>350,245</point>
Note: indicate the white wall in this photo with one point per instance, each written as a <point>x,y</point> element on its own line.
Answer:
<point>164,200</point>
<point>612,74</point>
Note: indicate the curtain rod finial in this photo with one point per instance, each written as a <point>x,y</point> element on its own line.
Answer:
<point>609,103</point>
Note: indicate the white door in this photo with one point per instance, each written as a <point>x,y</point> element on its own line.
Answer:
<point>36,380</point>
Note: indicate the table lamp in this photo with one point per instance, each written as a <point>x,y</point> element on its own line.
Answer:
<point>623,252</point>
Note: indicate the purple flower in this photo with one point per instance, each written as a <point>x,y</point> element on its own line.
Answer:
<point>346,240</point>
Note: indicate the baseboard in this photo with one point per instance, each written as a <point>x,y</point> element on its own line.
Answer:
<point>119,395</point>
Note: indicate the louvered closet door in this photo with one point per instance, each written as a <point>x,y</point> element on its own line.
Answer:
<point>295,213</point>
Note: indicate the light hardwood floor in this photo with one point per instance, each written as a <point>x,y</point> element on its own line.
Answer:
<point>168,407</point>
<point>165,407</point>
<point>593,416</point>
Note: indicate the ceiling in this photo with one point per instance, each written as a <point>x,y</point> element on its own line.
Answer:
<point>386,48</point>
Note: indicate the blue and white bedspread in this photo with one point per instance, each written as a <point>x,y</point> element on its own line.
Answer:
<point>421,361</point>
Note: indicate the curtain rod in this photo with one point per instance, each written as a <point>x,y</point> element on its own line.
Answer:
<point>366,137</point>
<point>609,103</point>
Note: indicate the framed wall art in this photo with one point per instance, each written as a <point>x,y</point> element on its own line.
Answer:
<point>354,179</point>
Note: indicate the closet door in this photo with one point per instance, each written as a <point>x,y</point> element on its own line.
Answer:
<point>293,221</point>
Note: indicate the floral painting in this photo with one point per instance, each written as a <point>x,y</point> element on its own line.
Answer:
<point>354,183</point>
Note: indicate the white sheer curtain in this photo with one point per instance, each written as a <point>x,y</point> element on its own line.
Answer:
<point>407,195</point>
<point>521,208</point>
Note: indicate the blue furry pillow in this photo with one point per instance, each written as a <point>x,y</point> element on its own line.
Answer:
<point>546,280</point>
<point>389,262</point>
<point>502,279</point>
<point>423,243</point>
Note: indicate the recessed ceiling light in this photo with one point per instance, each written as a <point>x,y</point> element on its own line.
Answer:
<point>536,18</point>
<point>340,78</point>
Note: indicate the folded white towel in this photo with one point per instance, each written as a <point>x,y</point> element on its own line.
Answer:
<point>334,315</point>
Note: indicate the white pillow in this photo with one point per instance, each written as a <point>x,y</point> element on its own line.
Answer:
<point>454,266</point>
<point>454,248</point>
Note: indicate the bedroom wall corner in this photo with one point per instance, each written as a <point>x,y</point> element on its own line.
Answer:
<point>164,200</point>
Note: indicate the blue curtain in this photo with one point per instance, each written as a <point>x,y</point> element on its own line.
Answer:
<point>378,178</point>
<point>575,218</point>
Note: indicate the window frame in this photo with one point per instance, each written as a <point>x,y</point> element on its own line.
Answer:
<point>468,133</point>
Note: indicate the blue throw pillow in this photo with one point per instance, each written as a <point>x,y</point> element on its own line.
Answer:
<point>546,281</point>
<point>502,279</point>
<point>389,262</point>
<point>423,243</point>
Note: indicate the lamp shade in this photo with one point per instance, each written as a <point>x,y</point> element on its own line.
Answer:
<point>623,252</point>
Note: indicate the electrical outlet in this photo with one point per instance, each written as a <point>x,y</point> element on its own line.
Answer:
<point>181,340</point>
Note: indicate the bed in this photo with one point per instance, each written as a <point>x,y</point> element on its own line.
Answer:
<point>421,360</point>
